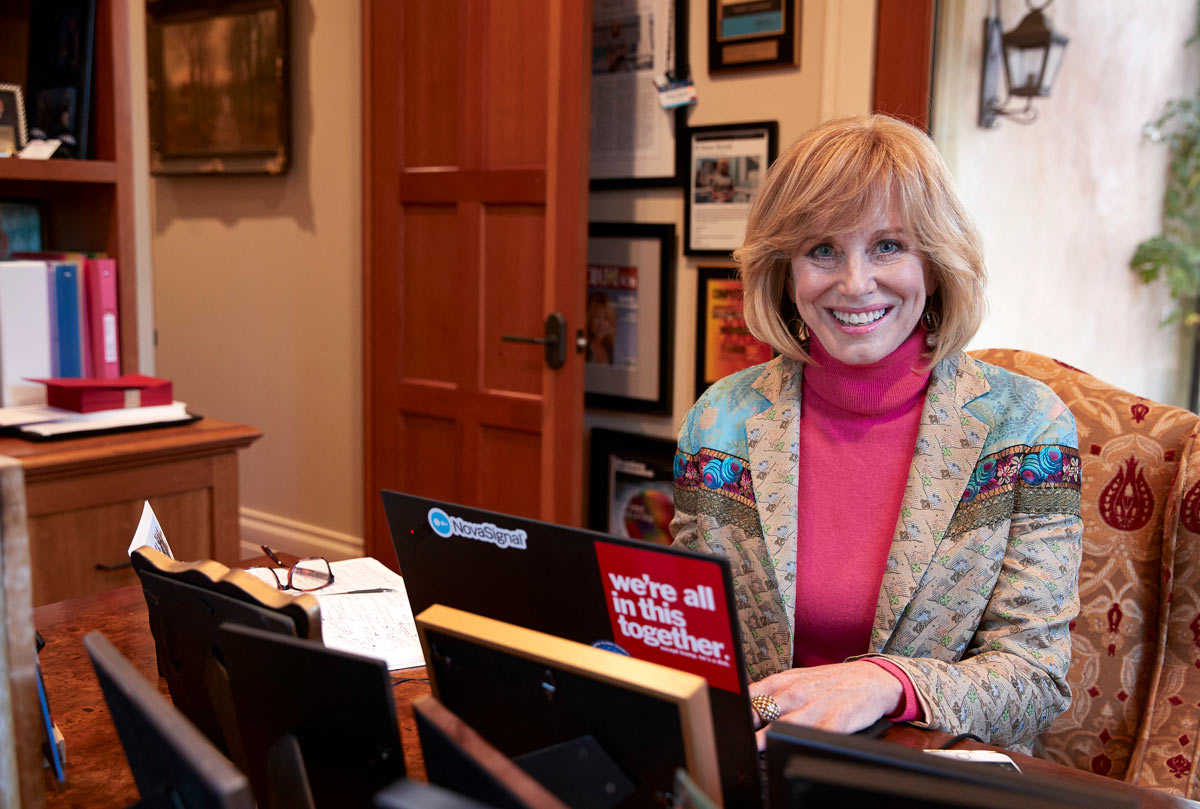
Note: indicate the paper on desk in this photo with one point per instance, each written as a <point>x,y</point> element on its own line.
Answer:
<point>149,532</point>
<point>109,419</point>
<point>373,624</point>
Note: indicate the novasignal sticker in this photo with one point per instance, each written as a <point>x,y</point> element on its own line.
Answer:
<point>446,526</point>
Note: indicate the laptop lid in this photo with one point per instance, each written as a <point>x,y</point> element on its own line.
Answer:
<point>666,605</point>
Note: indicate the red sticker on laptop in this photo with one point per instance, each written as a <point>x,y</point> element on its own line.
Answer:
<point>671,610</point>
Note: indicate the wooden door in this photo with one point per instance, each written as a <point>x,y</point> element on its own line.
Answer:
<point>904,59</point>
<point>475,196</point>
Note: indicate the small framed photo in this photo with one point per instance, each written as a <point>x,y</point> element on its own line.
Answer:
<point>13,131</point>
<point>630,294</point>
<point>753,34</point>
<point>724,345</point>
<point>726,164</point>
<point>636,45</point>
<point>219,86</point>
<point>632,485</point>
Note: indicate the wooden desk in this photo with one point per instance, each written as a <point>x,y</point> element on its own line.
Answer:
<point>99,777</point>
<point>84,498</point>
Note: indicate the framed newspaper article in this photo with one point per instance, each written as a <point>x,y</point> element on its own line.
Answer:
<point>725,165</point>
<point>630,285</point>
<point>637,46</point>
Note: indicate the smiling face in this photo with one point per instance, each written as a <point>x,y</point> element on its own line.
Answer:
<point>861,293</point>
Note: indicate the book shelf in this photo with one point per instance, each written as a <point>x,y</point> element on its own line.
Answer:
<point>87,205</point>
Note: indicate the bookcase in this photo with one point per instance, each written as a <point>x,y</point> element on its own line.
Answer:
<point>87,205</point>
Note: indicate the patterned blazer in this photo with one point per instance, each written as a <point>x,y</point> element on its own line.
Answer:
<point>980,582</point>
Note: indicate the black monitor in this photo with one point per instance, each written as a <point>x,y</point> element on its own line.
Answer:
<point>591,588</point>
<point>186,603</point>
<point>173,765</point>
<point>818,770</point>
<point>310,714</point>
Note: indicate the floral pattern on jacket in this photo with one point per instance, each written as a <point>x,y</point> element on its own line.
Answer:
<point>980,583</point>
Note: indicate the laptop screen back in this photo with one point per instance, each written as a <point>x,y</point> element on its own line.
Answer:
<point>666,605</point>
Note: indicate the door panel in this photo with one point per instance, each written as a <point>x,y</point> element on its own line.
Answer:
<point>430,331</point>
<point>513,241</point>
<point>516,86</point>
<point>475,203</point>
<point>508,450</point>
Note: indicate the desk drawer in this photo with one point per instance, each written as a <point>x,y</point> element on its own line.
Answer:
<point>66,547</point>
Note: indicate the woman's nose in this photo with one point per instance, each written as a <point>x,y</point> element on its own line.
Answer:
<point>858,277</point>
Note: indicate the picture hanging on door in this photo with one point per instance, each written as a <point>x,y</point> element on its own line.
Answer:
<point>628,322</point>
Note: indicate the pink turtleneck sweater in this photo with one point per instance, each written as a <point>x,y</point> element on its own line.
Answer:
<point>858,427</point>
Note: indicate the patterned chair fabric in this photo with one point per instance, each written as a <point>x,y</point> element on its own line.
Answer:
<point>1135,667</point>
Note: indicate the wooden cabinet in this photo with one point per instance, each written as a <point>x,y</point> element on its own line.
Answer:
<point>84,497</point>
<point>87,205</point>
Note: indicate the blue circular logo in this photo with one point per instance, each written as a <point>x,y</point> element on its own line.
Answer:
<point>609,646</point>
<point>439,521</point>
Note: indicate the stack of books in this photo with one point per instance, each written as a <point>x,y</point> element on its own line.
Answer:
<point>58,319</point>
<point>77,407</point>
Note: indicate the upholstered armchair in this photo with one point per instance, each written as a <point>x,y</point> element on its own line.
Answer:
<point>1135,667</point>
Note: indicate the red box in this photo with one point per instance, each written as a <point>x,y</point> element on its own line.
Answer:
<point>90,395</point>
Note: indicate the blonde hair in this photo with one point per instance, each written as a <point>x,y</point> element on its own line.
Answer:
<point>834,180</point>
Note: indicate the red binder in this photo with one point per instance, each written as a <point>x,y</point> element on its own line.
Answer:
<point>100,276</point>
<point>89,395</point>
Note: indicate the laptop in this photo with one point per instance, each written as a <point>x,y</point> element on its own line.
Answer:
<point>666,605</point>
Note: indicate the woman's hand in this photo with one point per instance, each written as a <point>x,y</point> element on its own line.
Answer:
<point>841,697</point>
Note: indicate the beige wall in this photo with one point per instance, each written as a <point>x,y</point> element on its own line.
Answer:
<point>834,78</point>
<point>1063,202</point>
<point>257,290</point>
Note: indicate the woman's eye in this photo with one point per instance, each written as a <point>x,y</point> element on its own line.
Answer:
<point>889,246</point>
<point>821,251</point>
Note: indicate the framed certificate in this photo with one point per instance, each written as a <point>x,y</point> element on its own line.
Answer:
<point>726,163</point>
<point>747,34</point>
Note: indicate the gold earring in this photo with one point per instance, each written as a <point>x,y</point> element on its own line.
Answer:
<point>931,320</point>
<point>801,329</point>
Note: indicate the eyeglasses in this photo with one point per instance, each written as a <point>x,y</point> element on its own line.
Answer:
<point>306,575</point>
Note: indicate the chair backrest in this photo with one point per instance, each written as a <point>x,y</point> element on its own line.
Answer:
<point>172,763</point>
<point>1135,666</point>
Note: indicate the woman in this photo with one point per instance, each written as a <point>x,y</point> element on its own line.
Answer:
<point>902,520</point>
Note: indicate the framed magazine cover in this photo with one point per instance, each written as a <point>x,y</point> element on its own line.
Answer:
<point>630,300</point>
<point>632,485</point>
<point>726,163</point>
<point>636,45</point>
<point>724,344</point>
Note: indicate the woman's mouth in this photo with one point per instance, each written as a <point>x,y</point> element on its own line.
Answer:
<point>857,320</point>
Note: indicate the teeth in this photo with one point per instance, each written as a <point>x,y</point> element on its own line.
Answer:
<point>858,318</point>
